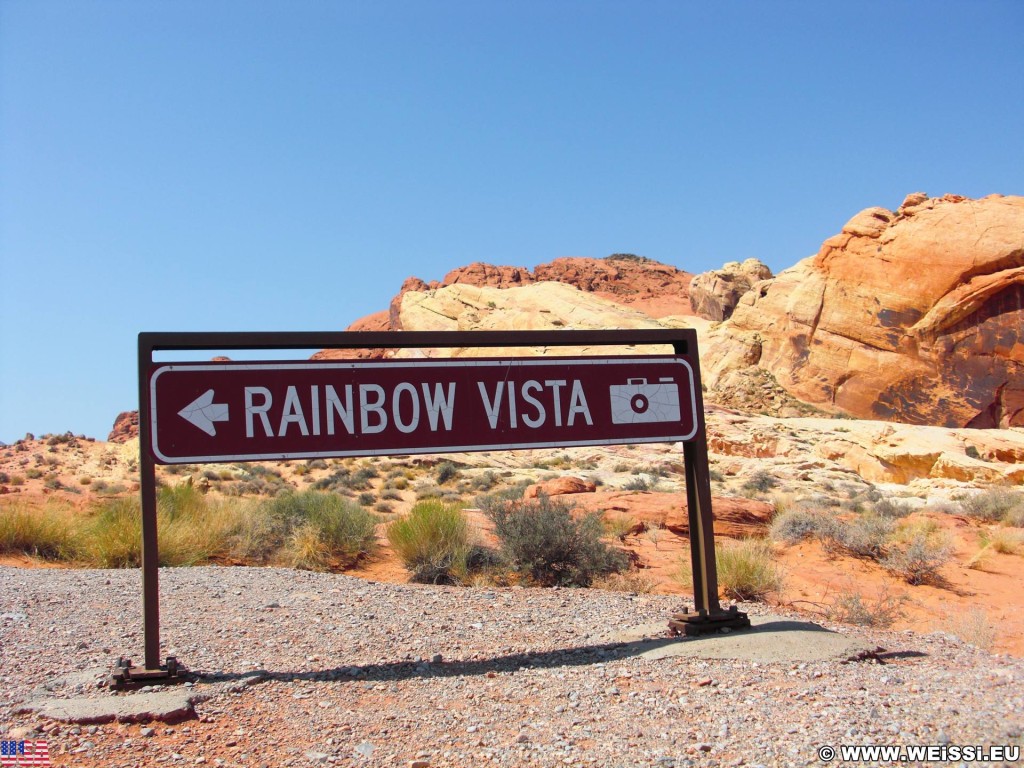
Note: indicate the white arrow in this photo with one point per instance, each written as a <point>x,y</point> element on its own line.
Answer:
<point>203,412</point>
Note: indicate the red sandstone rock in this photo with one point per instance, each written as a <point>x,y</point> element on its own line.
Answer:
<point>126,426</point>
<point>559,486</point>
<point>913,316</point>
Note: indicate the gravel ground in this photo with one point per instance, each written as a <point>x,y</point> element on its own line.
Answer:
<point>358,673</point>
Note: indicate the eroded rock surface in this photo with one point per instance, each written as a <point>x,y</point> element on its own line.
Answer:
<point>915,315</point>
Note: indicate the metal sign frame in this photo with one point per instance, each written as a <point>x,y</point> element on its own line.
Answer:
<point>708,615</point>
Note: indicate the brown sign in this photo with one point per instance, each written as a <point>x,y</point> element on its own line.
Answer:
<point>211,412</point>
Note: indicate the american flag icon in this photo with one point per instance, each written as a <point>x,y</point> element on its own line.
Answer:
<point>24,753</point>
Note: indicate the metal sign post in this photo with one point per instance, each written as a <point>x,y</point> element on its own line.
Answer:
<point>218,412</point>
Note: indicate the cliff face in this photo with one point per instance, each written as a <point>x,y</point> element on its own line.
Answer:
<point>915,315</point>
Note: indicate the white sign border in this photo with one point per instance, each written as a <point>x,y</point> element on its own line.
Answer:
<point>445,363</point>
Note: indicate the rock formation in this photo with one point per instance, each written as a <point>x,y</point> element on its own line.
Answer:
<point>126,426</point>
<point>715,294</point>
<point>915,315</point>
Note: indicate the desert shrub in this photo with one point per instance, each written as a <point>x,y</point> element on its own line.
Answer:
<point>855,608</point>
<point>366,499</point>
<point>46,532</point>
<point>637,483</point>
<point>427,490</point>
<point>620,526</point>
<point>544,543</point>
<point>633,582</point>
<point>4,478</point>
<point>1014,517</point>
<point>485,481</point>
<point>345,530</point>
<point>32,473</point>
<point>747,570</point>
<point>446,472</point>
<point>432,542</point>
<point>760,482</point>
<point>508,493</point>
<point>993,505</point>
<point>17,480</point>
<point>344,479</point>
<point>865,536</point>
<point>918,555</point>
<point>891,509</point>
<point>795,524</point>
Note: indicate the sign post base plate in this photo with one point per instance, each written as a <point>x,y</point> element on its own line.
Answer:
<point>704,622</point>
<point>125,675</point>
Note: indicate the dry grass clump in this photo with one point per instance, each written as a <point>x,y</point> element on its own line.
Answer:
<point>433,542</point>
<point>746,570</point>
<point>620,526</point>
<point>190,528</point>
<point>633,582</point>
<point>972,627</point>
<point>193,529</point>
<point>47,533</point>
<point>1004,540</point>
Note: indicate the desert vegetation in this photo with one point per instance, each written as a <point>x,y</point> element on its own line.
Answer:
<point>312,530</point>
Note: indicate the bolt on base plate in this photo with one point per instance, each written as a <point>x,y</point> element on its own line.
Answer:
<point>705,622</point>
<point>124,675</point>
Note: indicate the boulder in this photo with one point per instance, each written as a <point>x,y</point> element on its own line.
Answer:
<point>715,294</point>
<point>126,426</point>
<point>559,486</point>
<point>915,315</point>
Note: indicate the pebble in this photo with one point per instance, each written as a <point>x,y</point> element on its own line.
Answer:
<point>515,677</point>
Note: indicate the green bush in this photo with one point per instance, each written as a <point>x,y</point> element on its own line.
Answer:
<point>433,542</point>
<point>340,531</point>
<point>446,472</point>
<point>637,483</point>
<point>544,543</point>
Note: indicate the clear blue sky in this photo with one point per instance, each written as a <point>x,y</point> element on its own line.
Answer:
<point>276,165</point>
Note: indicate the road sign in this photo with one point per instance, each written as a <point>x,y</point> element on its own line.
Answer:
<point>235,411</point>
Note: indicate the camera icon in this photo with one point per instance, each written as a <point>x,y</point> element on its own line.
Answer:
<point>637,402</point>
